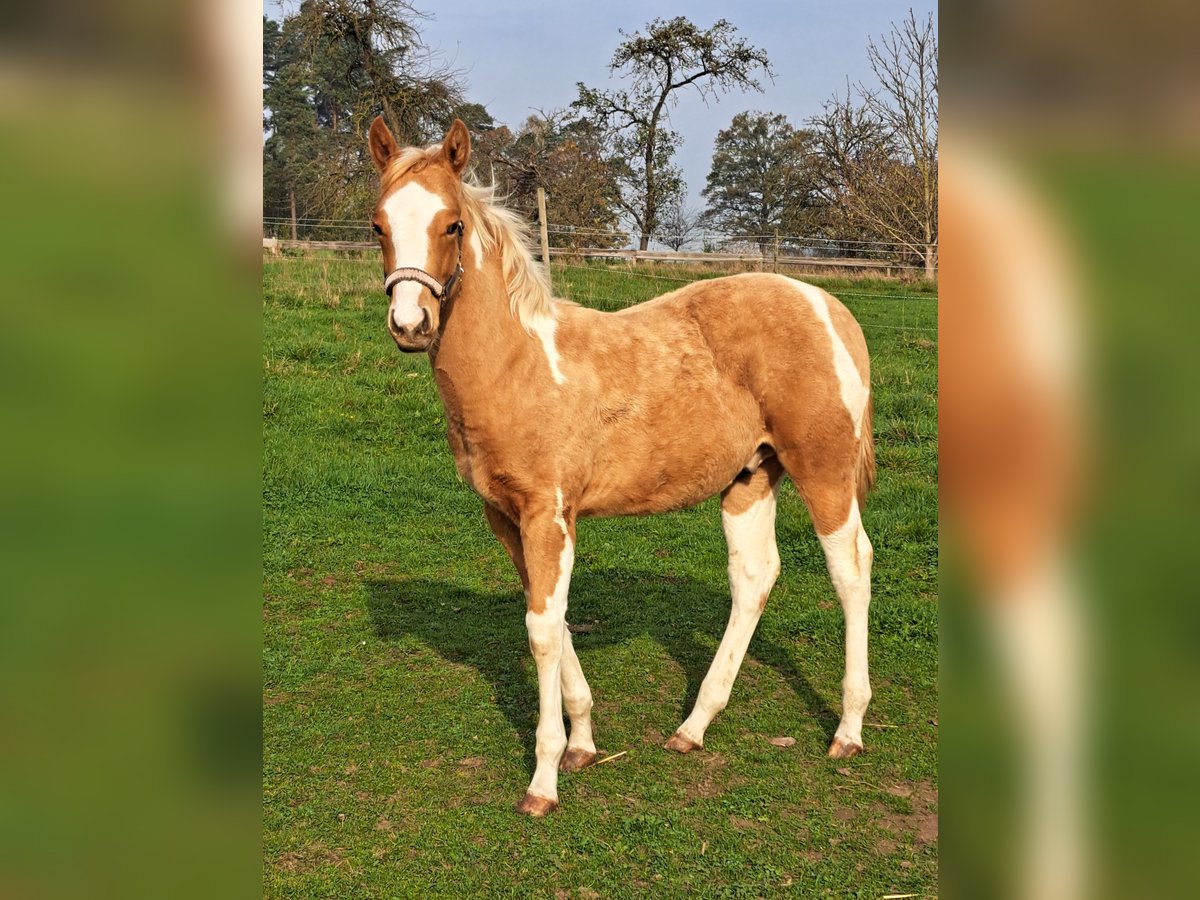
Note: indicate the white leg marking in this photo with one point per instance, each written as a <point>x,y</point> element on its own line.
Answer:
<point>848,554</point>
<point>543,327</point>
<point>409,213</point>
<point>1039,632</point>
<point>854,392</point>
<point>753,568</point>
<point>577,697</point>
<point>547,631</point>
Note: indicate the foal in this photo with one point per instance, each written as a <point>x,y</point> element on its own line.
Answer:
<point>555,411</point>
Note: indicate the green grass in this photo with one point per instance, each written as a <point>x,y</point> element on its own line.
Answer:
<point>400,700</point>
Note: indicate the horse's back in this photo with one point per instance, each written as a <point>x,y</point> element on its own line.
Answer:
<point>695,381</point>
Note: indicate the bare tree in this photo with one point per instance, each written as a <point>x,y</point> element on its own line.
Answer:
<point>880,147</point>
<point>678,226</point>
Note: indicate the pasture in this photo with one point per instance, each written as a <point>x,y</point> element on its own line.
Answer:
<point>400,700</point>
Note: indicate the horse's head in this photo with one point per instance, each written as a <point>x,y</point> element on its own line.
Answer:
<point>418,220</point>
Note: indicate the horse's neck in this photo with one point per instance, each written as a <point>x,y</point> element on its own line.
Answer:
<point>480,334</point>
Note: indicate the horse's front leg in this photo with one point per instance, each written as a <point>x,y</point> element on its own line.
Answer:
<point>548,539</point>
<point>577,696</point>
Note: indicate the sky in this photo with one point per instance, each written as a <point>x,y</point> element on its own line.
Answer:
<point>521,56</point>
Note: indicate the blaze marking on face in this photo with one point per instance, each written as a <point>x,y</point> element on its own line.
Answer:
<point>409,213</point>
<point>854,392</point>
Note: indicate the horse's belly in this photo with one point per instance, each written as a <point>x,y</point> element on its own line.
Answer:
<point>662,479</point>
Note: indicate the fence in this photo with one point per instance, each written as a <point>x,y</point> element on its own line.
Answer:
<point>792,254</point>
<point>898,308</point>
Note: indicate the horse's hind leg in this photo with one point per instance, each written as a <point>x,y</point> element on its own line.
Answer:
<point>748,515</point>
<point>848,554</point>
<point>830,491</point>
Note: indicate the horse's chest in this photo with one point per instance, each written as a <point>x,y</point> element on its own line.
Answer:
<point>477,460</point>
<point>467,457</point>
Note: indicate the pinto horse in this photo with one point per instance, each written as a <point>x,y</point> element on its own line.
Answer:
<point>555,411</point>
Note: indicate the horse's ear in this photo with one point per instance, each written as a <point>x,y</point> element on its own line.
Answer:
<point>457,146</point>
<point>383,145</point>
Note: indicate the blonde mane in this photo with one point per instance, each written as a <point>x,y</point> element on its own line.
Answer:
<point>500,231</point>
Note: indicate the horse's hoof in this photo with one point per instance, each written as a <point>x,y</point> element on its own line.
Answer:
<point>681,744</point>
<point>844,749</point>
<point>532,805</point>
<point>576,758</point>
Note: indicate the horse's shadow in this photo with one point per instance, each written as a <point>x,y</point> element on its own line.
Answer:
<point>487,632</point>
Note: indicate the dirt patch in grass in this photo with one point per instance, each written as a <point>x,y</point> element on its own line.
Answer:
<point>716,778</point>
<point>745,824</point>
<point>314,856</point>
<point>922,822</point>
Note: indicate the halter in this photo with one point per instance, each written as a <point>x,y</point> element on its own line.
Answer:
<point>412,273</point>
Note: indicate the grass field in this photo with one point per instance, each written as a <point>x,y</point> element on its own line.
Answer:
<point>400,700</point>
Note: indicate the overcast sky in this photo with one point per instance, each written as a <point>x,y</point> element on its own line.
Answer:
<point>518,56</point>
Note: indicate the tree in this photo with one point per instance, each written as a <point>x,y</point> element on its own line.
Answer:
<point>349,60</point>
<point>680,225</point>
<point>564,156</point>
<point>290,123</point>
<point>764,180</point>
<point>880,148</point>
<point>672,55</point>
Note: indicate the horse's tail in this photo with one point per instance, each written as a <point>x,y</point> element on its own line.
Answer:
<point>866,455</point>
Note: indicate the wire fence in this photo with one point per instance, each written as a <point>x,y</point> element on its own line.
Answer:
<point>907,311</point>
<point>781,248</point>
<point>280,226</point>
<point>596,275</point>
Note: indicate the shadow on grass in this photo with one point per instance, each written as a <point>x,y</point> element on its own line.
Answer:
<point>487,631</point>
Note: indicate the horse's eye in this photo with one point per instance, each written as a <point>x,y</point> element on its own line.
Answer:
<point>455,228</point>
<point>378,230</point>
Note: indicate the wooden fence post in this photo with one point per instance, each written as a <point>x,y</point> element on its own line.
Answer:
<point>544,230</point>
<point>776,251</point>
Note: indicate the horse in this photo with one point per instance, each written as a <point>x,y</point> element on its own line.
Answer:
<point>556,411</point>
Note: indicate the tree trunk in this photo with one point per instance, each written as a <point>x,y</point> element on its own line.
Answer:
<point>292,197</point>
<point>644,243</point>
<point>930,250</point>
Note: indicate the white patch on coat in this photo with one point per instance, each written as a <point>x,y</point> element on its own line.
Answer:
<point>559,520</point>
<point>409,213</point>
<point>476,247</point>
<point>543,328</point>
<point>854,391</point>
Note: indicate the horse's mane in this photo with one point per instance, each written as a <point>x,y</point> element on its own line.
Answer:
<point>500,231</point>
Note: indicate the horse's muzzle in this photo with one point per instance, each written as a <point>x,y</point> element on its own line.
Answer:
<point>414,339</point>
